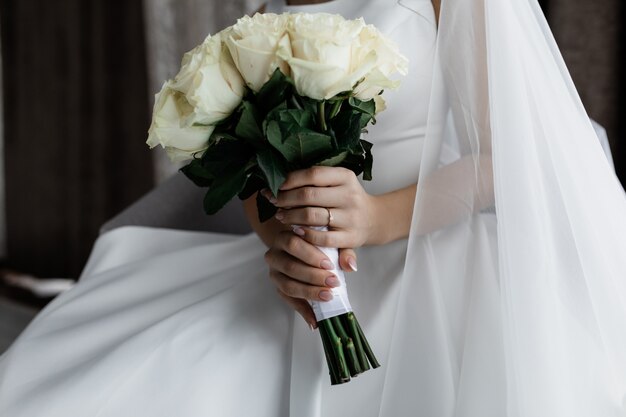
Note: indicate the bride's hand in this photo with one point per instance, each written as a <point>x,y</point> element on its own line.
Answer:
<point>309,196</point>
<point>301,272</point>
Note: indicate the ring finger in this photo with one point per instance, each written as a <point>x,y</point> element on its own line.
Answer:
<point>311,216</point>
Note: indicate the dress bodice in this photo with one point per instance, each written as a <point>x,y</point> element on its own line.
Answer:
<point>399,132</point>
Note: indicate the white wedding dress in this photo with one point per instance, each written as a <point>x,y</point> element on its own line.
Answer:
<point>166,323</point>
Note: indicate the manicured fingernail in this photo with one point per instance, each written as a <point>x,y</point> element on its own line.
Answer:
<point>312,327</point>
<point>299,231</point>
<point>352,263</point>
<point>326,264</point>
<point>280,216</point>
<point>332,282</point>
<point>326,295</point>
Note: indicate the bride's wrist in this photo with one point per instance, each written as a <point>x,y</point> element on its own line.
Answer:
<point>390,215</point>
<point>378,230</point>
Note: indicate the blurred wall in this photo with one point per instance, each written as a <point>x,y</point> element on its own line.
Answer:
<point>590,35</point>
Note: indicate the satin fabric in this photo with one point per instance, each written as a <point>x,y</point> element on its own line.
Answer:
<point>166,322</point>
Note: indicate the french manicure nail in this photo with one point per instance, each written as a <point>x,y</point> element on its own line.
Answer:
<point>280,216</point>
<point>312,327</point>
<point>352,263</point>
<point>326,295</point>
<point>326,264</point>
<point>299,231</point>
<point>332,281</point>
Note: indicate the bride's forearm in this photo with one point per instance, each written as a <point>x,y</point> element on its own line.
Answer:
<point>448,195</point>
<point>455,191</point>
<point>392,214</point>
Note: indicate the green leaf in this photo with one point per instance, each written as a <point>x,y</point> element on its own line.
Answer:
<point>274,134</point>
<point>305,145</point>
<point>223,190</point>
<point>226,157</point>
<point>300,118</point>
<point>367,107</point>
<point>334,160</point>
<point>347,127</point>
<point>274,169</point>
<point>266,209</point>
<point>368,163</point>
<point>276,90</point>
<point>254,183</point>
<point>197,173</point>
<point>309,104</point>
<point>248,127</point>
<point>354,162</point>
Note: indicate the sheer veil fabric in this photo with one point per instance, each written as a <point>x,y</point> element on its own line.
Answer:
<point>514,289</point>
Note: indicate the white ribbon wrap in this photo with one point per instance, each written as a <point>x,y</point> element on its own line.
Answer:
<point>339,304</point>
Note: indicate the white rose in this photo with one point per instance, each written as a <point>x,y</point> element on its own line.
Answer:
<point>389,61</point>
<point>210,81</point>
<point>253,43</point>
<point>322,62</point>
<point>173,127</point>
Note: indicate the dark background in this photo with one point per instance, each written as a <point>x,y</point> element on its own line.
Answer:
<point>76,116</point>
<point>77,110</point>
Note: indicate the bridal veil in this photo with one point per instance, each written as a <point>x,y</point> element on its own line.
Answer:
<point>515,271</point>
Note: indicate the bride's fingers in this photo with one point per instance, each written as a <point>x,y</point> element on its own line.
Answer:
<point>311,216</point>
<point>300,273</point>
<point>302,250</point>
<point>347,260</point>
<point>297,289</point>
<point>301,306</point>
<point>331,239</point>
<point>310,196</point>
<point>319,176</point>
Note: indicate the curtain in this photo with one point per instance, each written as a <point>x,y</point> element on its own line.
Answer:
<point>3,232</point>
<point>74,75</point>
<point>172,28</point>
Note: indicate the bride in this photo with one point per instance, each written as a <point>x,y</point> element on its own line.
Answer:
<point>490,278</point>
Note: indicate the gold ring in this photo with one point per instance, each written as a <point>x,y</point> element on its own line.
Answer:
<point>330,217</point>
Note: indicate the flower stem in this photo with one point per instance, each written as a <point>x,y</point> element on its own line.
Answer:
<point>295,102</point>
<point>366,346</point>
<point>346,349</point>
<point>321,115</point>
<point>334,111</point>
<point>330,359</point>
<point>353,361</point>
<point>337,348</point>
<point>350,320</point>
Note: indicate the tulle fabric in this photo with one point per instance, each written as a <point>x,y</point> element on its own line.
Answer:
<point>513,293</point>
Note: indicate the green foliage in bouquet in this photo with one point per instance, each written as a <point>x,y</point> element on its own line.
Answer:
<point>274,132</point>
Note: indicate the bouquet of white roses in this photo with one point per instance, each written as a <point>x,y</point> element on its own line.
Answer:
<point>270,95</point>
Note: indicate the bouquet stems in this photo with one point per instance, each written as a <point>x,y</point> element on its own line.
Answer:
<point>347,351</point>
